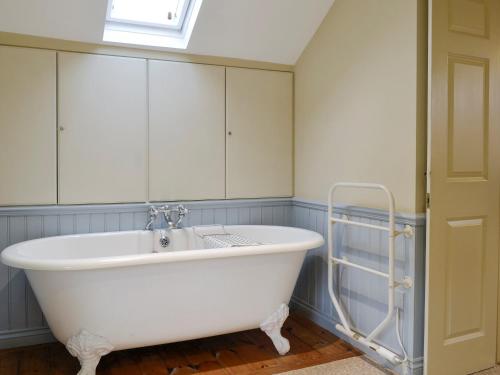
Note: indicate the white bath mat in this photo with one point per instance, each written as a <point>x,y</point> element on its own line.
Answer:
<point>349,366</point>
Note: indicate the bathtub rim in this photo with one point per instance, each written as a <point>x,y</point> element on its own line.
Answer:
<point>10,257</point>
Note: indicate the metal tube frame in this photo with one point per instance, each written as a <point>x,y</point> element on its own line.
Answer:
<point>345,327</point>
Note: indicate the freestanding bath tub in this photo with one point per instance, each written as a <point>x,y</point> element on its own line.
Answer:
<point>112,291</point>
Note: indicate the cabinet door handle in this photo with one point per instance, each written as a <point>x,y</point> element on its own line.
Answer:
<point>229,133</point>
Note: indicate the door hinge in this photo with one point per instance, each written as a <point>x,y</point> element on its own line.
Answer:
<point>428,200</point>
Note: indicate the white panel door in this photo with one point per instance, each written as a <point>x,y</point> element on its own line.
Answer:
<point>259,133</point>
<point>102,129</point>
<point>186,131</point>
<point>27,126</point>
<point>464,175</point>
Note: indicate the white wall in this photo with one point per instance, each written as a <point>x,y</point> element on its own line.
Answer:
<point>358,90</point>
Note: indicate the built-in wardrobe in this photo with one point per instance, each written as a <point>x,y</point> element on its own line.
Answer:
<point>79,128</point>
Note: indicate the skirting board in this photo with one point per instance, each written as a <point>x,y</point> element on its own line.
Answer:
<point>25,337</point>
<point>416,366</point>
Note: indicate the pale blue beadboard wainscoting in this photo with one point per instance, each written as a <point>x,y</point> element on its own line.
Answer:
<point>365,295</point>
<point>21,320</point>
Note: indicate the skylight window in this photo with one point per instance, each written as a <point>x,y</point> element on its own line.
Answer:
<point>161,13</point>
<point>156,23</point>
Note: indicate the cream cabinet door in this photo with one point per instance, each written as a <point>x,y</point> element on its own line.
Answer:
<point>259,133</point>
<point>464,171</point>
<point>186,131</point>
<point>102,129</point>
<point>27,126</point>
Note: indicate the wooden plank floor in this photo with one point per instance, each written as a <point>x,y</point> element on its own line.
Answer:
<point>249,352</point>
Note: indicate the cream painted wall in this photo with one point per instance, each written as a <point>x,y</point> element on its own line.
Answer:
<point>360,103</point>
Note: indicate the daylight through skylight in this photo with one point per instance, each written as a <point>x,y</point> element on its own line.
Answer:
<point>162,13</point>
<point>155,23</point>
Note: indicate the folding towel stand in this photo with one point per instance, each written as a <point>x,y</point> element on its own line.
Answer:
<point>392,284</point>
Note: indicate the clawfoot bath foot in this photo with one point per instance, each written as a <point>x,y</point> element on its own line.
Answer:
<point>272,327</point>
<point>89,349</point>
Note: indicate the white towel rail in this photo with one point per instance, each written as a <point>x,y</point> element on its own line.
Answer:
<point>392,284</point>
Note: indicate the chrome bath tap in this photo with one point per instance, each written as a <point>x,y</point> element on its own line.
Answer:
<point>153,214</point>
<point>179,213</point>
<point>173,218</point>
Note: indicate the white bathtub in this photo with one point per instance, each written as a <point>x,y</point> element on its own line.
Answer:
<point>113,291</point>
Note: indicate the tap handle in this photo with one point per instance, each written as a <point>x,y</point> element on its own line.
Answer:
<point>153,211</point>
<point>182,210</point>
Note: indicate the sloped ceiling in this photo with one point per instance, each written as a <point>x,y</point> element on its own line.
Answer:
<point>264,30</point>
